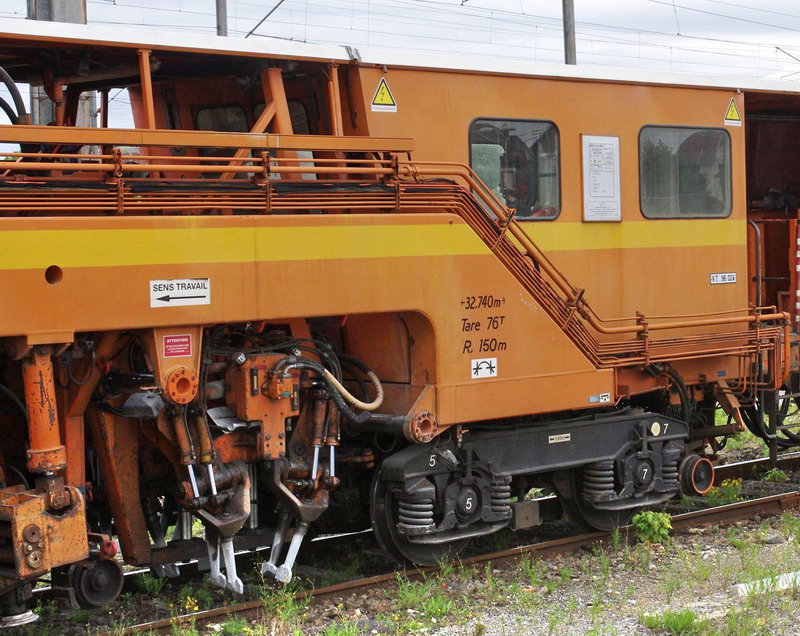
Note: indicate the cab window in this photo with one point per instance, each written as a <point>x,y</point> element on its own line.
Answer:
<point>684,172</point>
<point>519,161</point>
<point>300,122</point>
<point>221,119</point>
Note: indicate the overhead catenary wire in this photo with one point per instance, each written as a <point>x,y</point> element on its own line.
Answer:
<point>265,18</point>
<point>499,27</point>
<point>728,17</point>
<point>433,6</point>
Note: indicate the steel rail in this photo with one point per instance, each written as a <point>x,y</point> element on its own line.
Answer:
<point>770,505</point>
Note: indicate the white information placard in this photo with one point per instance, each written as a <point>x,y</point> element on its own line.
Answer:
<point>179,292</point>
<point>601,195</point>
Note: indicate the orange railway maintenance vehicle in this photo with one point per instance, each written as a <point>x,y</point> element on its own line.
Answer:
<point>328,289</point>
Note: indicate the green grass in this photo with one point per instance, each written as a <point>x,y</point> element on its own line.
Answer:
<point>651,526</point>
<point>148,584</point>
<point>344,628</point>
<point>425,597</point>
<point>233,626</point>
<point>728,492</point>
<point>775,475</point>
<point>680,622</point>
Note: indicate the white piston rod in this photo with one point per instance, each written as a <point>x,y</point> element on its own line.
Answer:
<point>271,566</point>
<point>284,573</point>
<point>220,552</point>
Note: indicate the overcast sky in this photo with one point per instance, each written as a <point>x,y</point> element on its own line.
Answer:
<point>753,38</point>
<point>738,37</point>
<point>745,38</point>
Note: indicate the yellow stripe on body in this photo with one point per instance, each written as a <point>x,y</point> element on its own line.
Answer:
<point>656,233</point>
<point>30,249</point>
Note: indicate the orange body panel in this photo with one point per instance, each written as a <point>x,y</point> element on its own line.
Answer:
<point>621,267</point>
<point>444,268</point>
<point>228,311</point>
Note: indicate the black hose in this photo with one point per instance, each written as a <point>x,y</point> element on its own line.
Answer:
<point>683,392</point>
<point>88,377</point>
<point>355,362</point>
<point>294,362</point>
<point>15,94</point>
<point>756,425</point>
<point>15,400</point>
<point>19,474</point>
<point>6,107</point>
<point>352,370</point>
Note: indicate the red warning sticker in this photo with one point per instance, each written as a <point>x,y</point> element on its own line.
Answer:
<point>178,346</point>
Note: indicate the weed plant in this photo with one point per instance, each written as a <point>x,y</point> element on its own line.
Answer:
<point>680,622</point>
<point>651,526</point>
<point>776,476</point>
<point>728,492</point>
<point>149,584</point>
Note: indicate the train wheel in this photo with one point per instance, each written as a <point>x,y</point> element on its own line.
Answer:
<point>583,513</point>
<point>789,416</point>
<point>383,514</point>
<point>788,411</point>
<point>97,585</point>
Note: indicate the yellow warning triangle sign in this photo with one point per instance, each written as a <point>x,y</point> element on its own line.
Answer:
<point>732,116</point>
<point>383,100</point>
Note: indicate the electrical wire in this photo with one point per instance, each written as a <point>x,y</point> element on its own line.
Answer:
<point>497,16</point>
<point>728,17</point>
<point>19,474</point>
<point>89,373</point>
<point>13,397</point>
<point>483,26</point>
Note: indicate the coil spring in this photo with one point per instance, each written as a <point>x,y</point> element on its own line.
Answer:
<point>598,479</point>
<point>669,474</point>
<point>417,513</point>
<point>500,496</point>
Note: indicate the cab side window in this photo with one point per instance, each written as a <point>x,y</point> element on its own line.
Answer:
<point>684,172</point>
<point>519,161</point>
<point>221,119</point>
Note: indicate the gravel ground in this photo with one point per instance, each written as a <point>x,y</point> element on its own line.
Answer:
<point>610,590</point>
<point>628,587</point>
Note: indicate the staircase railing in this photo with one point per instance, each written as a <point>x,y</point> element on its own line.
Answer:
<point>173,175</point>
<point>570,310</point>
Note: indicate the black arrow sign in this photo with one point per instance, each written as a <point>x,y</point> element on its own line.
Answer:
<point>169,298</point>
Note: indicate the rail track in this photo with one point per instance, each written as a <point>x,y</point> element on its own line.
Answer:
<point>769,505</point>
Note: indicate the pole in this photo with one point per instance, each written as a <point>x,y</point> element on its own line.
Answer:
<point>43,110</point>
<point>222,18</point>
<point>58,10</point>
<point>568,16</point>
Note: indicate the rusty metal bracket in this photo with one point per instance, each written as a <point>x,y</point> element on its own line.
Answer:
<point>503,226</point>
<point>574,304</point>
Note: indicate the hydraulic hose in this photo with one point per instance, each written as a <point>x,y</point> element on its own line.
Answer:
<point>13,397</point>
<point>19,103</point>
<point>364,406</point>
<point>683,392</point>
<point>19,474</point>
<point>6,107</point>
<point>335,387</point>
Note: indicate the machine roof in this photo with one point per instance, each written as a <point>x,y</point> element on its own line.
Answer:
<point>19,38</point>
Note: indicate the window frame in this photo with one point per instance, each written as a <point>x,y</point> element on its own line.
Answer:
<point>552,123</point>
<point>729,175</point>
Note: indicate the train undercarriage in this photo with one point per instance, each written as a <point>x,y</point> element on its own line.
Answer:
<point>267,431</point>
<point>274,433</point>
<point>221,341</point>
